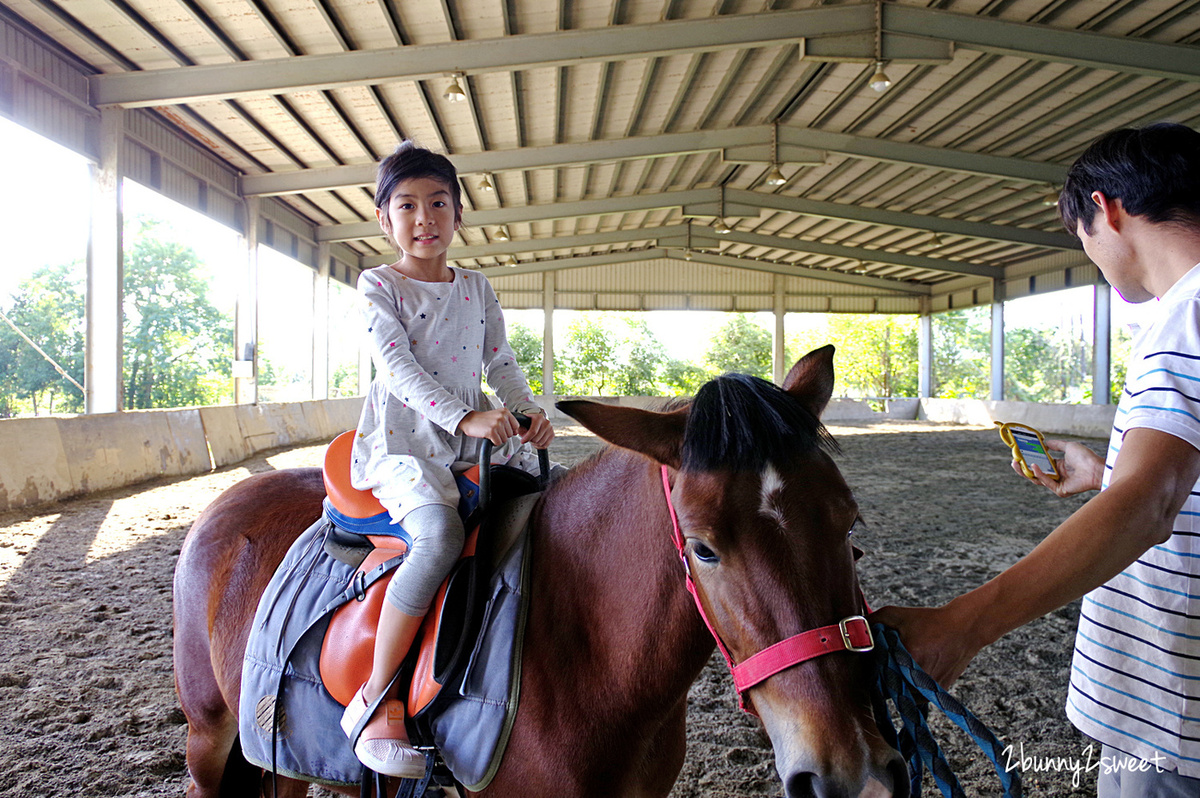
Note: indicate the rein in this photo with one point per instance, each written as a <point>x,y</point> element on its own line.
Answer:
<point>849,634</point>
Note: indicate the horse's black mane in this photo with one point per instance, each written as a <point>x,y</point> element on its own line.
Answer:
<point>738,422</point>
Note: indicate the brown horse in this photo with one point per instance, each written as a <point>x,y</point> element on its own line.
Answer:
<point>613,639</point>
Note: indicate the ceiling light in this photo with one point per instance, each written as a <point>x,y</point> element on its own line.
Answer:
<point>1050,198</point>
<point>775,177</point>
<point>486,184</point>
<point>510,261</point>
<point>880,80</point>
<point>687,255</point>
<point>454,92</point>
<point>502,235</point>
<point>722,229</point>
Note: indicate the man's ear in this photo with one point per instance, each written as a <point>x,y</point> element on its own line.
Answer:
<point>1109,211</point>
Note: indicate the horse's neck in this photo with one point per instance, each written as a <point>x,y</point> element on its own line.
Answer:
<point>614,580</point>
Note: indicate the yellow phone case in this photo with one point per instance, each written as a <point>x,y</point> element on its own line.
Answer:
<point>1018,458</point>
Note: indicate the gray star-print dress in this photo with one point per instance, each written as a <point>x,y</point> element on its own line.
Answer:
<point>431,343</point>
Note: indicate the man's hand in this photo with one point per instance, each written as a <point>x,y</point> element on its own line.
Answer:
<point>937,638</point>
<point>1081,469</point>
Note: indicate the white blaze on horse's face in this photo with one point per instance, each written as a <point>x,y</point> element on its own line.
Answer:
<point>769,495</point>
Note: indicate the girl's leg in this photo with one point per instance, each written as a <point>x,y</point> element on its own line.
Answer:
<point>437,534</point>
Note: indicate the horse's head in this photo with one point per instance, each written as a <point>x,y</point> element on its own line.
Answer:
<point>766,518</point>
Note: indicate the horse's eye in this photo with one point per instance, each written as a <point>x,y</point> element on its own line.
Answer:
<point>704,553</point>
<point>858,526</point>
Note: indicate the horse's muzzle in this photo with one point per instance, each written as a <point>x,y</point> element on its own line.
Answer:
<point>890,781</point>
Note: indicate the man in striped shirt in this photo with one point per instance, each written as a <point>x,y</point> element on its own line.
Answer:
<point>1133,199</point>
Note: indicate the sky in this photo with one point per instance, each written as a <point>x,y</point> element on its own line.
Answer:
<point>44,220</point>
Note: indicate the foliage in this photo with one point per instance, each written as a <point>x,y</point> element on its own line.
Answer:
<point>49,309</point>
<point>618,354</point>
<point>527,346</point>
<point>962,354</point>
<point>740,346</point>
<point>177,343</point>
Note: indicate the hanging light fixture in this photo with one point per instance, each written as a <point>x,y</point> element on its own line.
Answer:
<point>1050,198</point>
<point>775,176</point>
<point>502,234</point>
<point>486,185</point>
<point>510,261</point>
<point>880,80</point>
<point>454,92</point>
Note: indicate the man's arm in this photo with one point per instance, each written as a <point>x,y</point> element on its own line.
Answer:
<point>1152,477</point>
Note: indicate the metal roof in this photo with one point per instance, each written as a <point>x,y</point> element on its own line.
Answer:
<point>623,130</point>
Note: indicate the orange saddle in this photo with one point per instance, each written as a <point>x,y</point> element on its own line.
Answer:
<point>349,644</point>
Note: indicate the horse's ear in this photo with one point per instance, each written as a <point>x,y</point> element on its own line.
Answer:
<point>811,379</point>
<point>656,435</point>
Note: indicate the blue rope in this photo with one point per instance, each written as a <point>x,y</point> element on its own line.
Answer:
<point>902,681</point>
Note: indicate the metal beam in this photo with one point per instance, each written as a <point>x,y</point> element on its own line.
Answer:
<point>1045,43</point>
<point>478,56</point>
<point>527,214</point>
<point>510,53</point>
<point>638,147</point>
<point>712,259</point>
<point>677,235</point>
<point>914,221</point>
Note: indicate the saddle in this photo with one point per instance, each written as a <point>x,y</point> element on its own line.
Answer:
<point>313,636</point>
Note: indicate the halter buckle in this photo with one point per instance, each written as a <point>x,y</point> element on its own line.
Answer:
<point>843,627</point>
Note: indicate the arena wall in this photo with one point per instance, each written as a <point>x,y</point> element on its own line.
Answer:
<point>46,459</point>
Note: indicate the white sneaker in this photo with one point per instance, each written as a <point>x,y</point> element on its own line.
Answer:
<point>383,745</point>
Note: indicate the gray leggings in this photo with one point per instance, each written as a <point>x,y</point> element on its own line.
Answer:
<point>437,542</point>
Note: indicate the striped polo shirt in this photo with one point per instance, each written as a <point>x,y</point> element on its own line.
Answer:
<point>1135,677</point>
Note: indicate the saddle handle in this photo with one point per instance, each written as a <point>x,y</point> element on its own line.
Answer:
<point>485,465</point>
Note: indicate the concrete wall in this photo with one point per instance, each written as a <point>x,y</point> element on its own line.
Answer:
<point>45,459</point>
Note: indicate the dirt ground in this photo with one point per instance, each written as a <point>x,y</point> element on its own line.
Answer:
<point>87,702</point>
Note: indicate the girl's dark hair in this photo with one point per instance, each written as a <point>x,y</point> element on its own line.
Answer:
<point>1154,171</point>
<point>410,161</point>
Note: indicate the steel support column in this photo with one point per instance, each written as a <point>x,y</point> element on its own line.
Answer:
<point>106,273</point>
<point>245,356</point>
<point>997,393</point>
<point>548,339</point>
<point>925,355</point>
<point>320,333</point>
<point>777,356</point>
<point>1102,345</point>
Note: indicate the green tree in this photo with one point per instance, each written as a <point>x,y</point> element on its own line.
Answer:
<point>640,358</point>
<point>177,344</point>
<point>876,354</point>
<point>527,346</point>
<point>962,354</point>
<point>588,361</point>
<point>740,346</point>
<point>682,378</point>
<point>48,308</point>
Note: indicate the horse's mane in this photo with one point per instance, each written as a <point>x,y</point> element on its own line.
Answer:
<point>738,422</point>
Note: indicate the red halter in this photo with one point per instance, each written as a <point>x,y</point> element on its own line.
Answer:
<point>849,634</point>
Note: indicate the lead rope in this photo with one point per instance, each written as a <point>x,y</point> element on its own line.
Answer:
<point>900,679</point>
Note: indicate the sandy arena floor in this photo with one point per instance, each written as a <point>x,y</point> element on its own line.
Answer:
<point>86,690</point>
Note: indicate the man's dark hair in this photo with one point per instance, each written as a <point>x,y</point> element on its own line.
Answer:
<point>410,161</point>
<point>1154,171</point>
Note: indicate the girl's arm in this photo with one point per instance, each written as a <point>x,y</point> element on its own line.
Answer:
<point>395,364</point>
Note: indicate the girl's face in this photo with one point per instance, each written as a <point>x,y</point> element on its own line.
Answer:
<point>420,217</point>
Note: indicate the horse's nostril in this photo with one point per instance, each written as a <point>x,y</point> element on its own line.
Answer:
<point>800,785</point>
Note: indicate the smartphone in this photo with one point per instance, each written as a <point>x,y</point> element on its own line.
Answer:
<point>1028,448</point>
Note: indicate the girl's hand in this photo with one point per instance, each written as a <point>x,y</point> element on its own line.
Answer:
<point>540,433</point>
<point>1081,469</point>
<point>496,426</point>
